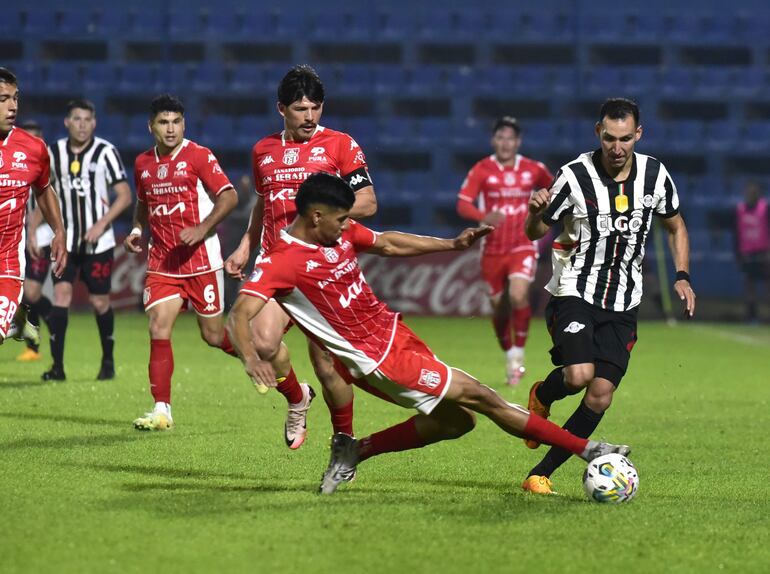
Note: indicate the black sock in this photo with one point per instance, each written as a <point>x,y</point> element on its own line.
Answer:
<point>582,423</point>
<point>57,324</point>
<point>554,388</point>
<point>42,307</point>
<point>34,318</point>
<point>106,324</point>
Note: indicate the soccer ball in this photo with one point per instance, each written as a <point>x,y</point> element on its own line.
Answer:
<point>610,478</point>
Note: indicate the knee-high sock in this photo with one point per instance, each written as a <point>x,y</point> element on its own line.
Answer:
<point>42,307</point>
<point>403,436</point>
<point>546,432</point>
<point>227,346</point>
<point>57,325</point>
<point>582,423</point>
<point>106,324</point>
<point>503,323</point>
<point>520,320</point>
<point>290,388</point>
<point>161,369</point>
<point>554,388</point>
<point>342,417</point>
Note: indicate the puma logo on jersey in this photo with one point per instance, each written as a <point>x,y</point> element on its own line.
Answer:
<point>574,327</point>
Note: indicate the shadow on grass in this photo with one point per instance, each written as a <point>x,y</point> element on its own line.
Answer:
<point>66,419</point>
<point>27,384</point>
<point>160,471</point>
<point>68,442</point>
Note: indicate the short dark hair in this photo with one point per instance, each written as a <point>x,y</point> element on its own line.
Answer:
<point>299,82</point>
<point>506,122</point>
<point>165,103</point>
<point>619,108</point>
<point>326,189</point>
<point>81,104</point>
<point>31,125</point>
<point>8,77</point>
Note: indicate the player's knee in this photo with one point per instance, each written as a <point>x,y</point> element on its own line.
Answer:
<point>598,402</point>
<point>578,376</point>
<point>213,337</point>
<point>463,422</point>
<point>266,348</point>
<point>100,304</point>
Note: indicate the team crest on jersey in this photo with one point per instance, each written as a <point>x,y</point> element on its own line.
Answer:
<point>509,179</point>
<point>429,379</point>
<point>330,254</point>
<point>647,201</point>
<point>146,296</point>
<point>162,171</point>
<point>290,156</point>
<point>574,327</point>
<point>267,160</point>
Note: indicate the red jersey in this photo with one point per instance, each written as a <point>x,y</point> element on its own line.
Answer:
<point>178,191</point>
<point>24,162</point>
<point>505,189</point>
<point>325,293</point>
<point>280,167</point>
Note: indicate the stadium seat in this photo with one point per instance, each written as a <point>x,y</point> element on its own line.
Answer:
<point>221,24</point>
<point>749,82</point>
<point>396,131</point>
<point>639,81</point>
<point>185,25</point>
<point>603,80</point>
<point>353,79</point>
<point>209,77</point>
<point>99,75</point>
<point>11,22</point>
<point>677,81</point>
<point>63,77</point>
<point>77,23</point>
<point>39,23</point>
<point>713,81</point>
<point>138,77</point>
<point>112,128</point>
<point>685,135</point>
<point>397,25</point>
<point>722,135</point>
<point>390,80</point>
<point>250,129</point>
<point>111,22</point>
<point>756,136</point>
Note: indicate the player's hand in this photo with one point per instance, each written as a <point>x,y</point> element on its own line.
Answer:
<point>32,246</point>
<point>58,254</point>
<point>261,372</point>
<point>687,295</point>
<point>493,218</point>
<point>236,262</point>
<point>132,243</point>
<point>538,201</point>
<point>471,235</point>
<point>95,232</point>
<point>192,235</point>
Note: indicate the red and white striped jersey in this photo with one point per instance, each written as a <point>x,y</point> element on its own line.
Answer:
<point>24,163</point>
<point>178,191</point>
<point>280,167</point>
<point>325,293</point>
<point>505,189</point>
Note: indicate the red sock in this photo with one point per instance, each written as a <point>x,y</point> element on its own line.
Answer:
<point>520,322</point>
<point>342,418</point>
<point>402,436</point>
<point>503,327</point>
<point>227,346</point>
<point>541,430</point>
<point>161,368</point>
<point>290,388</point>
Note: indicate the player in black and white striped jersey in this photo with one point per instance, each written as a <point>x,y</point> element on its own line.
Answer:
<point>85,169</point>
<point>605,200</point>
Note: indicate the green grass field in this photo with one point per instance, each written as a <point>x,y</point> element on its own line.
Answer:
<point>81,491</point>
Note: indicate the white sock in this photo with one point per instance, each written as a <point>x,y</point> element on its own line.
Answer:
<point>161,407</point>
<point>515,353</point>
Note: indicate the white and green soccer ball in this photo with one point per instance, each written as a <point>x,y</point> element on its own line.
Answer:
<point>611,478</point>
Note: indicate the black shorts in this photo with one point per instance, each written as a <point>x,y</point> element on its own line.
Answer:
<point>37,269</point>
<point>754,266</point>
<point>95,271</point>
<point>584,333</point>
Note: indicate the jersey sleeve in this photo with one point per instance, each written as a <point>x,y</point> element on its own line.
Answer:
<point>352,163</point>
<point>256,176</point>
<point>271,276</point>
<point>544,177</point>
<point>361,236</point>
<point>562,199</point>
<point>115,171</point>
<point>140,195</point>
<point>44,177</point>
<point>210,173</point>
<point>668,198</point>
<point>471,186</point>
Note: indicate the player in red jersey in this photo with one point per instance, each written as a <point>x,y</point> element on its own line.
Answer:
<point>182,195</point>
<point>24,164</point>
<point>281,162</point>
<point>501,184</point>
<point>312,271</point>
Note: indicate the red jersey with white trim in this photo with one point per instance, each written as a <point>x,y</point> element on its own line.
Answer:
<point>280,167</point>
<point>24,163</point>
<point>325,293</point>
<point>505,189</point>
<point>178,191</point>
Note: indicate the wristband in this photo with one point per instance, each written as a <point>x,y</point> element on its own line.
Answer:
<point>682,276</point>
<point>136,231</point>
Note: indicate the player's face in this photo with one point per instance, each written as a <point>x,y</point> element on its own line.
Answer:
<point>618,138</point>
<point>506,144</point>
<point>168,130</point>
<point>80,125</point>
<point>301,118</point>
<point>329,223</point>
<point>9,106</point>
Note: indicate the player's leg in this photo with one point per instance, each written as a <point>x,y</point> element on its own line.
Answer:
<point>493,272</point>
<point>39,305</point>
<point>206,294</point>
<point>59,319</point>
<point>10,298</point>
<point>96,273</point>
<point>338,394</point>
<point>523,266</point>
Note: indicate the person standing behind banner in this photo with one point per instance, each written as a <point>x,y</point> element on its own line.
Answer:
<point>752,233</point>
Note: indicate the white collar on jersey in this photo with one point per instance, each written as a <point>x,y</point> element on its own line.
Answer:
<point>318,129</point>
<point>5,141</point>
<point>289,238</point>
<point>185,141</point>
<point>501,167</point>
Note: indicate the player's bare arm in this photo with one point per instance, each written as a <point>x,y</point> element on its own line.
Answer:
<point>224,203</point>
<point>121,203</point>
<point>397,244</point>
<point>679,243</point>
<point>366,203</point>
<point>535,227</point>
<point>132,241</point>
<point>35,219</point>
<point>238,259</point>
<point>49,207</point>
<point>244,310</point>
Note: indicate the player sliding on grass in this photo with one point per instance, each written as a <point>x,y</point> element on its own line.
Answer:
<point>312,271</point>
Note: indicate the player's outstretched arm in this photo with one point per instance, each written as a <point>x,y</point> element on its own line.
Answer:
<point>132,241</point>
<point>238,259</point>
<point>398,244</point>
<point>366,203</point>
<point>679,243</point>
<point>224,203</point>
<point>535,227</point>
<point>244,310</point>
<point>49,207</point>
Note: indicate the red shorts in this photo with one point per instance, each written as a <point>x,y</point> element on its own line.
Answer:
<point>495,269</point>
<point>205,292</point>
<point>10,297</point>
<point>410,375</point>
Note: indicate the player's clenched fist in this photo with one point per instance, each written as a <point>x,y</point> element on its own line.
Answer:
<point>538,201</point>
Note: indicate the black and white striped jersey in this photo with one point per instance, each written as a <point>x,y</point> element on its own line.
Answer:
<point>598,256</point>
<point>83,182</point>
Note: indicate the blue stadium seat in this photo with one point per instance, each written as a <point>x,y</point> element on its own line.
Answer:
<point>685,135</point>
<point>99,76</point>
<point>80,23</point>
<point>677,81</point>
<point>217,132</point>
<point>633,26</point>
<point>756,136</point>
<point>11,22</point>
<point>63,76</point>
<point>640,81</point>
<point>135,77</point>
<point>112,128</point>
<point>397,25</point>
<point>603,80</point>
<point>722,135</point>
<point>186,25</point>
<point>353,79</point>
<point>396,131</point>
<point>112,22</point>
<point>39,23</point>
<point>547,25</point>
<point>208,77</point>
<point>291,24</point>
<point>749,82</point>
<point>713,81</point>
<point>548,134</point>
<point>390,80</point>
<point>331,26</point>
<point>219,24</point>
<point>493,80</point>
<point>136,135</point>
<point>432,131</point>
